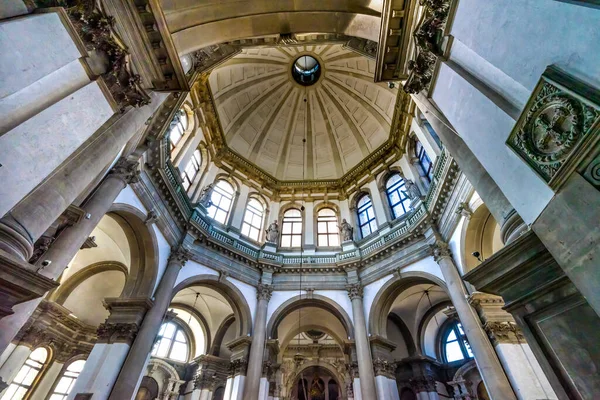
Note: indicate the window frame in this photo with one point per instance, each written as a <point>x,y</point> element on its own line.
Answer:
<point>223,195</point>
<point>196,162</point>
<point>292,222</point>
<point>328,220</point>
<point>364,209</point>
<point>178,328</point>
<point>460,338</point>
<point>250,225</point>
<point>179,115</point>
<point>403,199</point>
<point>426,171</point>
<point>29,389</point>
<point>62,374</point>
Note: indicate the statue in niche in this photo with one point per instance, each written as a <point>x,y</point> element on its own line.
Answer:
<point>346,229</point>
<point>412,191</point>
<point>273,232</point>
<point>205,196</point>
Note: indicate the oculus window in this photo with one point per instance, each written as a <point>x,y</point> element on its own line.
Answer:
<point>455,345</point>
<point>67,380</point>
<point>306,70</point>
<point>291,230</point>
<point>253,219</point>
<point>27,375</point>
<point>366,216</point>
<point>221,199</point>
<point>327,229</point>
<point>397,197</point>
<point>172,343</point>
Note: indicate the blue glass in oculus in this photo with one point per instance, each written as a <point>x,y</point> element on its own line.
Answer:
<point>366,216</point>
<point>306,70</point>
<point>396,194</point>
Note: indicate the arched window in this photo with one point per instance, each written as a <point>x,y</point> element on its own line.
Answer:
<point>425,164</point>
<point>396,194</point>
<point>177,128</point>
<point>221,198</point>
<point>27,375</point>
<point>327,229</point>
<point>172,343</point>
<point>253,219</point>
<point>291,230</point>
<point>455,346</point>
<point>366,216</point>
<point>67,380</point>
<point>191,170</point>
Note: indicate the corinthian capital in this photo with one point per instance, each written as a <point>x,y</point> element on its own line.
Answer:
<point>179,255</point>
<point>355,291</point>
<point>440,250</point>
<point>264,292</point>
<point>126,170</point>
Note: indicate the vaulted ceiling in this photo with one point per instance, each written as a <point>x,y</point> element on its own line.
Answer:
<point>264,115</point>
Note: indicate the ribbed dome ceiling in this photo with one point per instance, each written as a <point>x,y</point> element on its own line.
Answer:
<point>264,116</point>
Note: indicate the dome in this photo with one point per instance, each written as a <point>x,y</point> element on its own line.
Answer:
<point>265,112</point>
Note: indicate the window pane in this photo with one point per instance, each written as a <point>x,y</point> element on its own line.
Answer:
<point>63,385</point>
<point>179,352</point>
<point>370,213</point>
<point>40,354</point>
<point>287,228</point>
<point>451,336</point>
<point>57,397</point>
<point>180,337</point>
<point>453,352</point>
<point>297,228</point>
<point>373,226</point>
<point>322,227</point>
<point>332,227</point>
<point>245,229</point>
<point>292,213</point>
<point>221,216</point>
<point>21,374</point>
<point>365,230</point>
<point>31,374</point>
<point>256,221</point>
<point>286,241</point>
<point>163,347</point>
<point>10,392</point>
<point>468,347</point>
<point>296,240</point>
<point>394,197</point>
<point>334,240</point>
<point>363,218</point>
<point>322,240</point>
<point>169,331</point>
<point>254,233</point>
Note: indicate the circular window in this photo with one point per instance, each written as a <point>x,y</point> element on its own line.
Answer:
<point>306,70</point>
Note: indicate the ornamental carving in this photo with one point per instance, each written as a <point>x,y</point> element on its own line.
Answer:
<point>126,170</point>
<point>504,332</point>
<point>96,30</point>
<point>273,233</point>
<point>238,367</point>
<point>179,255</point>
<point>592,172</point>
<point>384,367</point>
<point>355,291</point>
<point>440,251</point>
<point>264,292</point>
<point>428,39</point>
<point>109,332</point>
<point>553,125</point>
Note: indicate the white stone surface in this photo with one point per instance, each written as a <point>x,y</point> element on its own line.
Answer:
<point>51,375</point>
<point>369,293</point>
<point>341,298</point>
<point>249,293</point>
<point>101,370</point>
<point>14,362</point>
<point>31,151</point>
<point>38,44</point>
<point>426,265</point>
<point>356,388</point>
<point>277,299</point>
<point>524,372</point>
<point>192,268</point>
<point>456,245</point>
<point>524,189</point>
<point>6,353</point>
<point>237,388</point>
<point>263,390</point>
<point>383,388</point>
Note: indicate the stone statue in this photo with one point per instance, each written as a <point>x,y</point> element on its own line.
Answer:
<point>273,232</point>
<point>413,191</point>
<point>205,196</point>
<point>346,229</point>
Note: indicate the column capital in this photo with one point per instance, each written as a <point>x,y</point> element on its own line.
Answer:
<point>440,250</point>
<point>355,291</point>
<point>384,367</point>
<point>264,292</point>
<point>179,255</point>
<point>238,367</point>
<point>504,332</point>
<point>126,170</point>
<point>109,332</point>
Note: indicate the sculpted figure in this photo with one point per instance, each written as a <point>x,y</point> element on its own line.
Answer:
<point>346,230</point>
<point>273,232</point>
<point>413,191</point>
<point>205,195</point>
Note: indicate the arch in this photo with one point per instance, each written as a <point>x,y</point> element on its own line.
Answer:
<point>318,301</point>
<point>291,334</point>
<point>425,321</point>
<point>322,364</point>
<point>233,295</point>
<point>382,303</point>
<point>220,334</point>
<point>65,289</point>
<point>481,234</point>
<point>460,373</point>
<point>201,320</point>
<point>144,250</point>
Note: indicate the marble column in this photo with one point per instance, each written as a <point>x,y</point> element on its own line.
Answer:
<point>489,366</point>
<point>504,213</point>
<point>363,354</point>
<point>70,241</point>
<point>257,349</point>
<point>126,383</point>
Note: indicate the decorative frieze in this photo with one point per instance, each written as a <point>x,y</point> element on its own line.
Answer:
<point>109,332</point>
<point>556,128</point>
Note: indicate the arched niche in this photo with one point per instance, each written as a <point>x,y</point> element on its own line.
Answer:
<point>307,366</point>
<point>481,234</point>
<point>386,296</point>
<point>196,325</point>
<point>230,292</point>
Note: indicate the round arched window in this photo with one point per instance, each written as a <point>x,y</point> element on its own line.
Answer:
<point>455,346</point>
<point>306,70</point>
